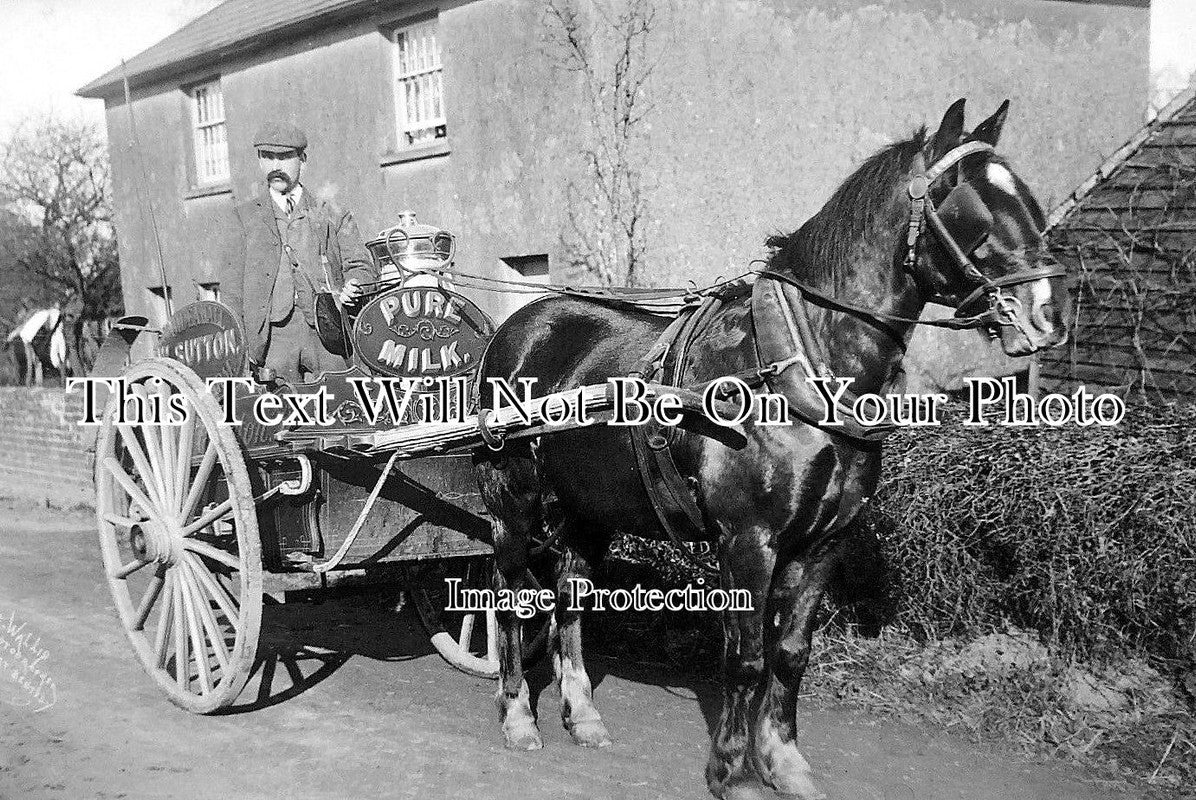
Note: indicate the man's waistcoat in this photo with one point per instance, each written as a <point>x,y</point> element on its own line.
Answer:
<point>255,253</point>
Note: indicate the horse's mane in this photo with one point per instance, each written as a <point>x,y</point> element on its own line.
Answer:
<point>824,241</point>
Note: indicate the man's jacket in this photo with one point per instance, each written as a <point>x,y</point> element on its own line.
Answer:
<point>255,251</point>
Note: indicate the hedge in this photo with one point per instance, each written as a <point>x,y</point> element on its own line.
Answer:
<point>1085,535</point>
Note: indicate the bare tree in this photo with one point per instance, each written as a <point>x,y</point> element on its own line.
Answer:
<point>54,182</point>
<point>609,48</point>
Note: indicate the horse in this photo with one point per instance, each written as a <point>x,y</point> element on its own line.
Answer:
<point>855,277</point>
<point>39,342</point>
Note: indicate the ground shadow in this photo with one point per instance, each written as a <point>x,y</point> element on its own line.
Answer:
<point>308,638</point>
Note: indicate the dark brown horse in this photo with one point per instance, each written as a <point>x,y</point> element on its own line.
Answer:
<point>778,507</point>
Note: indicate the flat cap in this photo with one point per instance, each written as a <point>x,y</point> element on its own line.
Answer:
<point>280,136</point>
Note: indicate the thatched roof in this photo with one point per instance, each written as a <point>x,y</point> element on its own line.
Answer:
<point>1127,236</point>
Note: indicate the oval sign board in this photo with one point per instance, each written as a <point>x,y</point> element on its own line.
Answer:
<point>207,337</point>
<point>421,333</point>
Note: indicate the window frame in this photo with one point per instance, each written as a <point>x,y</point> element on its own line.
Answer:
<point>405,131</point>
<point>203,176</point>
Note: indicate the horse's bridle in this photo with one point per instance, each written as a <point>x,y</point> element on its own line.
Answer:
<point>1003,309</point>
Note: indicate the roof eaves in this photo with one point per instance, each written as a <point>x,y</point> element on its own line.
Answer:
<point>111,83</point>
<point>1121,155</point>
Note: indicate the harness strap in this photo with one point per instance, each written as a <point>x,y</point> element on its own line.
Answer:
<point>1025,276</point>
<point>663,300</point>
<point>868,314</point>
<point>668,491</point>
<point>798,346</point>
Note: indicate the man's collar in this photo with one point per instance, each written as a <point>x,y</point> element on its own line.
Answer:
<point>280,199</point>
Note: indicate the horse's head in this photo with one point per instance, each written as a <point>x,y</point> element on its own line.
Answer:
<point>980,249</point>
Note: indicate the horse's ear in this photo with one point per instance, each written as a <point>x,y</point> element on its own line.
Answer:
<point>990,130</point>
<point>950,131</point>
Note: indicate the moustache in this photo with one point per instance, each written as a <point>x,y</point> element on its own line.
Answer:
<point>277,173</point>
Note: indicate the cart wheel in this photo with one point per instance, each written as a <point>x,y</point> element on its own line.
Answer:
<point>179,538</point>
<point>469,640</point>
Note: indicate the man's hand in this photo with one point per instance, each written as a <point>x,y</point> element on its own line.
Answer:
<point>261,373</point>
<point>351,292</point>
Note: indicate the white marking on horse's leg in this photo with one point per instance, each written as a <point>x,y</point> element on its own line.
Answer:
<point>1000,177</point>
<point>578,713</point>
<point>518,723</point>
<point>781,765</point>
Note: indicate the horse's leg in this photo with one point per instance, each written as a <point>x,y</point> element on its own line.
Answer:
<point>511,490</point>
<point>746,560</point>
<point>792,609</point>
<point>29,362</point>
<point>38,375</point>
<point>578,713</point>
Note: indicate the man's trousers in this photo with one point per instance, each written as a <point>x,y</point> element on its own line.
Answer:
<point>294,352</point>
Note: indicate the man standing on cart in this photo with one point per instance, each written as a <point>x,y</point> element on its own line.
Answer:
<point>287,247</point>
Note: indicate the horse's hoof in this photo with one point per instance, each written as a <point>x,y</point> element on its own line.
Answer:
<point>745,790</point>
<point>718,776</point>
<point>590,733</point>
<point>799,787</point>
<point>522,738</point>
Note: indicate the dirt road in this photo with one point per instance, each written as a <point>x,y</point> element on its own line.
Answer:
<point>356,706</point>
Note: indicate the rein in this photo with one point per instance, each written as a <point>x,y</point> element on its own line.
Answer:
<point>644,297</point>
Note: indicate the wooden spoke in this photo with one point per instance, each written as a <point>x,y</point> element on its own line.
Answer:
<point>227,603</point>
<point>148,474</point>
<point>124,522</point>
<point>182,665</point>
<point>129,569</point>
<point>147,601</point>
<point>203,668</point>
<point>130,487</point>
<point>200,481</point>
<point>169,465</point>
<point>169,435</point>
<point>214,553</point>
<point>152,433</point>
<point>491,635</point>
<point>206,617</point>
<point>165,615</point>
<point>182,471</point>
<point>209,517</point>
<point>466,630</point>
<point>153,448</point>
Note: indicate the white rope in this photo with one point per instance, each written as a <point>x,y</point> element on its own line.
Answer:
<point>333,562</point>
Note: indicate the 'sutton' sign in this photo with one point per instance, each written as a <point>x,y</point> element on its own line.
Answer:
<point>207,337</point>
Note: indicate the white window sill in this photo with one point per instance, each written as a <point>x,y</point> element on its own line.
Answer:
<point>207,191</point>
<point>438,148</point>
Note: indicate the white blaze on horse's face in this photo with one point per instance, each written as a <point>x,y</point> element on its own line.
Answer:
<point>1000,177</point>
<point>1016,243</point>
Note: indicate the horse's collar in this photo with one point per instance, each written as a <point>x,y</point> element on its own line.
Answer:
<point>784,340</point>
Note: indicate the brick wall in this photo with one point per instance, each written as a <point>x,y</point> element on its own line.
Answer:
<point>42,455</point>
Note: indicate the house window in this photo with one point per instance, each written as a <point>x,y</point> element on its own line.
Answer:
<point>211,135</point>
<point>419,91</point>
